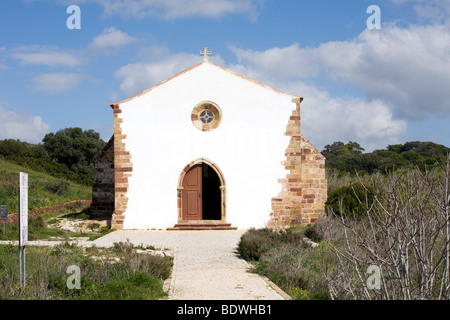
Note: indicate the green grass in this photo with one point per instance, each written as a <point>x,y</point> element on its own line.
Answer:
<point>118,273</point>
<point>43,190</point>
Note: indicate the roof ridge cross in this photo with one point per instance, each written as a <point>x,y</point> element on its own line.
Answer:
<point>205,53</point>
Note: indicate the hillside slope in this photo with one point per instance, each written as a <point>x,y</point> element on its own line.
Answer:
<point>43,189</point>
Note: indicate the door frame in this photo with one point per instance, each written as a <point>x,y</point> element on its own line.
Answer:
<point>223,189</point>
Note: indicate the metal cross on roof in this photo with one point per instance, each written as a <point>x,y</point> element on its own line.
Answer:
<point>205,53</point>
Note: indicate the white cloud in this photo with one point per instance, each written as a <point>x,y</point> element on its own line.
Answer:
<point>408,69</point>
<point>175,9</point>
<point>278,61</point>
<point>138,77</point>
<point>157,66</point>
<point>111,39</point>
<point>20,125</point>
<point>53,57</point>
<point>56,83</point>
<point>326,119</point>
<point>436,11</point>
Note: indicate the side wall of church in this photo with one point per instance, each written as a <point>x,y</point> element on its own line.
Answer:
<point>304,189</point>
<point>123,169</point>
<point>102,205</point>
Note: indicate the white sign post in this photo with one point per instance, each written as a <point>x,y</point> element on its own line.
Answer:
<point>23,224</point>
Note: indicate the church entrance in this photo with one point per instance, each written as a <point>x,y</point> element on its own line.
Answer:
<point>201,197</point>
<point>201,194</point>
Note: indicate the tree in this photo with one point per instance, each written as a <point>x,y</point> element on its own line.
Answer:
<point>349,157</point>
<point>354,147</point>
<point>340,148</point>
<point>333,148</point>
<point>75,148</point>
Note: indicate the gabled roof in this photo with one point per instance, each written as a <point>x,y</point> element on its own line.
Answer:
<point>196,66</point>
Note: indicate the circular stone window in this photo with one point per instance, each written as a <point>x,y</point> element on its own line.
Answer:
<point>206,116</point>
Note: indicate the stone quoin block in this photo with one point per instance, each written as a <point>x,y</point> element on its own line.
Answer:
<point>304,189</point>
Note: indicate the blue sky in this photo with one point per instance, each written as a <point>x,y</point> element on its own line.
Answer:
<point>376,87</point>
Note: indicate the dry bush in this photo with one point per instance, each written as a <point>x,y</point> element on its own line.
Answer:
<point>404,235</point>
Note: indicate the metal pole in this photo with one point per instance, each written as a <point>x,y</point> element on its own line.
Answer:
<point>24,266</point>
<point>20,265</point>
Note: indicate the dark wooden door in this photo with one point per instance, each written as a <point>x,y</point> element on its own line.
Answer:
<point>192,194</point>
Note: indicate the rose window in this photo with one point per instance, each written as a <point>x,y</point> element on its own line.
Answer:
<point>206,116</point>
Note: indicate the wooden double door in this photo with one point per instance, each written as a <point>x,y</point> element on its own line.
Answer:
<point>201,198</point>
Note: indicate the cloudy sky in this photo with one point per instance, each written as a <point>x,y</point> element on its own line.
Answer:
<point>373,86</point>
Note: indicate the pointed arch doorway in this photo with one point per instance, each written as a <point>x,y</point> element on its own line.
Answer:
<point>201,197</point>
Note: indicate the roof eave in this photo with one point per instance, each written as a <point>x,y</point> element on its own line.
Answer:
<point>294,97</point>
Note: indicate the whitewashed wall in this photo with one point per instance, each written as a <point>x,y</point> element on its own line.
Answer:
<point>248,146</point>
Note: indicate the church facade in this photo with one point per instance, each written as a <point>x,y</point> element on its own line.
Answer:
<point>209,149</point>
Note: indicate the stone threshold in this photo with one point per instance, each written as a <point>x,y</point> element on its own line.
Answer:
<point>202,225</point>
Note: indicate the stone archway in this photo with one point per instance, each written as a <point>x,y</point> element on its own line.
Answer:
<point>218,221</point>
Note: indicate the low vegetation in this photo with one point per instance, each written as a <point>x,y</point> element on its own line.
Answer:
<point>117,273</point>
<point>288,259</point>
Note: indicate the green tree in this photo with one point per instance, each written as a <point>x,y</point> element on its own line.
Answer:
<point>75,148</point>
<point>354,148</point>
<point>333,148</point>
<point>338,148</point>
<point>350,157</point>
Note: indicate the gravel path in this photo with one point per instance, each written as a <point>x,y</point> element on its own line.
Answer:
<point>206,264</point>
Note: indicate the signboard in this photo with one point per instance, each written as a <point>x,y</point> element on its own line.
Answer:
<point>4,213</point>
<point>23,209</point>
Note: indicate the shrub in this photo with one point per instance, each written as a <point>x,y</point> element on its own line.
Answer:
<point>312,233</point>
<point>297,270</point>
<point>38,222</point>
<point>283,265</point>
<point>352,197</point>
<point>158,266</point>
<point>290,262</point>
<point>256,242</point>
<point>60,186</point>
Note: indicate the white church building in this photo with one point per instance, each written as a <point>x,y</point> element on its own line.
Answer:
<point>209,149</point>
